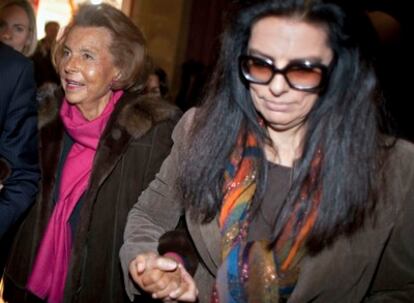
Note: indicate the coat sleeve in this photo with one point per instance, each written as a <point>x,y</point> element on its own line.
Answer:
<point>394,278</point>
<point>18,142</point>
<point>158,208</point>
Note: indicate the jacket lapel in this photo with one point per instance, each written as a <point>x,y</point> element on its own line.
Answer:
<point>207,238</point>
<point>354,257</point>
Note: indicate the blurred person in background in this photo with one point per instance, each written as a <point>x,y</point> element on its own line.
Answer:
<point>42,59</point>
<point>157,84</point>
<point>18,26</point>
<point>18,143</point>
<point>18,139</point>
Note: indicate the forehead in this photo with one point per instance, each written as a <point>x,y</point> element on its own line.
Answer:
<point>96,38</point>
<point>52,26</point>
<point>15,13</point>
<point>283,38</point>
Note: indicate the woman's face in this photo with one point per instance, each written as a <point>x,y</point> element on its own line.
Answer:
<point>281,41</point>
<point>87,68</point>
<point>14,27</point>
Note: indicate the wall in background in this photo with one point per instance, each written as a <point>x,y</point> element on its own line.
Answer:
<point>165,25</point>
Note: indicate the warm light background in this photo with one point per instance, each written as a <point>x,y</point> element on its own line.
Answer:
<point>61,11</point>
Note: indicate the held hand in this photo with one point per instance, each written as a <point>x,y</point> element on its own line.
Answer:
<point>163,277</point>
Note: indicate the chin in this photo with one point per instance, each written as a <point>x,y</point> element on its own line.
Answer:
<point>72,100</point>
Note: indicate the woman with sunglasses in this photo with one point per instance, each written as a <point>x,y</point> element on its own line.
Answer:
<point>291,193</point>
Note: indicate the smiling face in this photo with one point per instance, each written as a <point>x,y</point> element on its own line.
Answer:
<point>87,70</point>
<point>283,40</point>
<point>14,27</point>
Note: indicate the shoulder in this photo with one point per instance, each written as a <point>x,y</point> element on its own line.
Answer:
<point>16,73</point>
<point>9,58</point>
<point>399,174</point>
<point>184,125</point>
<point>401,157</point>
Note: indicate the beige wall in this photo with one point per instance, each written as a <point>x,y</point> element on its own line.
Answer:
<point>165,26</point>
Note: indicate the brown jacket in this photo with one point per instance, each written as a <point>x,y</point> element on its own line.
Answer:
<point>375,264</point>
<point>136,140</point>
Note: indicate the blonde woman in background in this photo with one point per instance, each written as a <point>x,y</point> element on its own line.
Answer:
<point>18,26</point>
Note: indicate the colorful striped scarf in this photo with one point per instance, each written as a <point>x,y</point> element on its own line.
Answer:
<point>258,271</point>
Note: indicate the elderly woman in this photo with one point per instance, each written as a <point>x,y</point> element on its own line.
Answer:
<point>18,26</point>
<point>290,191</point>
<point>100,145</point>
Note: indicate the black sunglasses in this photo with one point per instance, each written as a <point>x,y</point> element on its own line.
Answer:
<point>300,75</point>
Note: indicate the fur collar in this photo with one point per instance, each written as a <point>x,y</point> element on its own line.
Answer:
<point>138,114</point>
<point>134,113</point>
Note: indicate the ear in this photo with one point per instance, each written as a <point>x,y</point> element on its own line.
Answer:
<point>116,78</point>
<point>118,75</point>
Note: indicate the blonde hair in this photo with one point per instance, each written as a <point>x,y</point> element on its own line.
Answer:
<point>127,47</point>
<point>30,47</point>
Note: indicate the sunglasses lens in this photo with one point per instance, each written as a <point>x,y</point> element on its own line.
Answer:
<point>256,70</point>
<point>300,75</point>
<point>304,77</point>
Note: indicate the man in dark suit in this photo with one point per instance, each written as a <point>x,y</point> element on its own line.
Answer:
<point>18,138</point>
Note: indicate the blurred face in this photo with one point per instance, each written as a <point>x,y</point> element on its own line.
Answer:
<point>52,30</point>
<point>14,27</point>
<point>87,69</point>
<point>153,85</point>
<point>286,42</point>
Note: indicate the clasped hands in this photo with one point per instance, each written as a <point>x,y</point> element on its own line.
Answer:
<point>163,277</point>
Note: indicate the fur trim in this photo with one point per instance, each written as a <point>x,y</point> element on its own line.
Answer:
<point>140,114</point>
<point>50,97</point>
<point>136,113</point>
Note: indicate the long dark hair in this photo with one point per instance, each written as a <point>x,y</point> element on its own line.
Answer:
<point>343,123</point>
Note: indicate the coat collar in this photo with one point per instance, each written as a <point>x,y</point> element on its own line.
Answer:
<point>133,117</point>
<point>134,113</point>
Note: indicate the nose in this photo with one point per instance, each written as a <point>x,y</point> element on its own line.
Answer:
<point>70,64</point>
<point>278,85</point>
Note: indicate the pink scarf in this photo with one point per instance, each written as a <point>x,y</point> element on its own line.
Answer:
<point>48,276</point>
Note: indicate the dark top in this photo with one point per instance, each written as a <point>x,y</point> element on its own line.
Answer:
<point>43,67</point>
<point>277,187</point>
<point>74,217</point>
<point>18,136</point>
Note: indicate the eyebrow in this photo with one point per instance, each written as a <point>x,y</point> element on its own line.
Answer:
<point>2,21</point>
<point>255,52</point>
<point>87,50</point>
